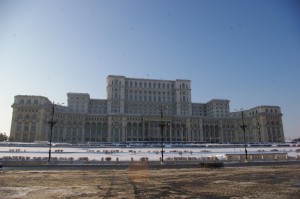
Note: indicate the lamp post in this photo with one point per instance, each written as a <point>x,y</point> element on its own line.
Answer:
<point>162,132</point>
<point>52,122</point>
<point>162,135</point>
<point>243,126</point>
<point>51,130</point>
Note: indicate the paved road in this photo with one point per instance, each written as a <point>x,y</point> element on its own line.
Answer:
<point>138,165</point>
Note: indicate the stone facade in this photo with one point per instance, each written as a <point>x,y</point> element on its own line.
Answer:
<point>140,110</point>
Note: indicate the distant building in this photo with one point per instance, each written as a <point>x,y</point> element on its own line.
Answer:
<point>134,109</point>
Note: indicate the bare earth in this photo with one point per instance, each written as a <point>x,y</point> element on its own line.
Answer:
<point>140,182</point>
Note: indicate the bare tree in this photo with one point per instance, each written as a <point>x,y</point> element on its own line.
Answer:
<point>3,137</point>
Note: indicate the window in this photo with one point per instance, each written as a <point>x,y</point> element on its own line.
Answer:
<point>26,127</point>
<point>19,127</point>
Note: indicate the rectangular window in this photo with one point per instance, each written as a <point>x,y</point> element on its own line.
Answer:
<point>26,127</point>
<point>19,127</point>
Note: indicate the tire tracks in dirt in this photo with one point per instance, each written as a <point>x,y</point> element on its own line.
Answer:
<point>108,193</point>
<point>121,184</point>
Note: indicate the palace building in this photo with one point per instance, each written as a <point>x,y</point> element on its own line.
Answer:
<point>142,110</point>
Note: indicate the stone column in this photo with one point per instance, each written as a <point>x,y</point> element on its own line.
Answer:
<point>124,126</point>
<point>170,131</point>
<point>201,129</point>
<point>221,136</point>
<point>188,130</point>
<point>143,129</point>
<point>109,128</point>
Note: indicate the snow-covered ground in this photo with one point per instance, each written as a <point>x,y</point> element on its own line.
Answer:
<point>126,154</point>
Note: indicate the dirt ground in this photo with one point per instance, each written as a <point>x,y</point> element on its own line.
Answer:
<point>141,182</point>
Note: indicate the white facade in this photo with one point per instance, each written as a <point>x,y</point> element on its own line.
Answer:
<point>135,109</point>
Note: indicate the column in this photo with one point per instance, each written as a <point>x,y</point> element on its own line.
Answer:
<point>124,126</point>
<point>170,131</point>
<point>109,129</point>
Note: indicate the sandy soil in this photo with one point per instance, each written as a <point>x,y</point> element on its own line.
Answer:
<point>140,182</point>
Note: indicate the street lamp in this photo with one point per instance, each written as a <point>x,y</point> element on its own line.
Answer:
<point>51,130</point>
<point>162,132</point>
<point>244,126</point>
<point>52,122</point>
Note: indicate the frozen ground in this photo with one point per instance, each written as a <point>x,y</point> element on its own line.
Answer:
<point>264,182</point>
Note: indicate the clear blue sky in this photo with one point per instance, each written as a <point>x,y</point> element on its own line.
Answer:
<point>244,51</point>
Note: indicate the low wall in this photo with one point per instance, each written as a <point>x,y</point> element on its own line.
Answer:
<point>257,157</point>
